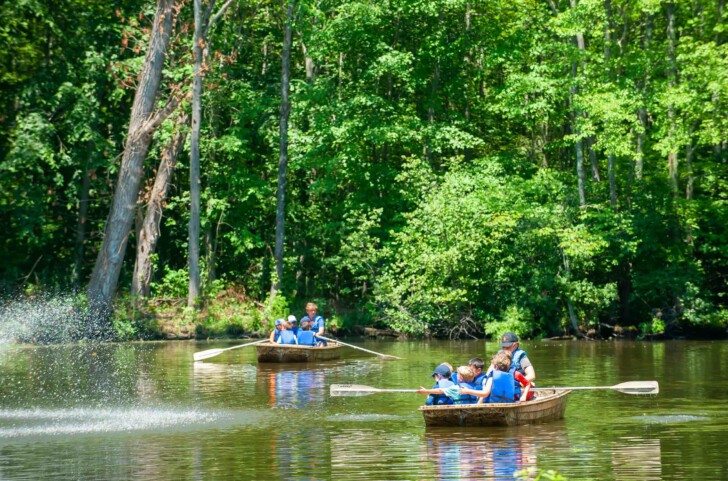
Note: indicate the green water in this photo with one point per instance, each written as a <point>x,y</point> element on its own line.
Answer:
<point>145,411</point>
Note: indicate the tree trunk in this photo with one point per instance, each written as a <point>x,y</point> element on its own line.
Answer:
<point>283,153</point>
<point>611,164</point>
<point>642,113</point>
<point>81,228</point>
<point>105,276</point>
<point>575,114</point>
<point>672,160</point>
<point>149,235</point>
<point>201,17</point>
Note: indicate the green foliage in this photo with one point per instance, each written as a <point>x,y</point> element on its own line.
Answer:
<point>431,180</point>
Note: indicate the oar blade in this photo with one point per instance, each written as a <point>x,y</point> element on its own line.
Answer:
<point>351,390</point>
<point>199,356</point>
<point>638,387</point>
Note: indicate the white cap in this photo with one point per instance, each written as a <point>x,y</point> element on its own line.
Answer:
<point>292,318</point>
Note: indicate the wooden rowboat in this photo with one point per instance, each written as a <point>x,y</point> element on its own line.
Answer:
<point>546,406</point>
<point>268,352</point>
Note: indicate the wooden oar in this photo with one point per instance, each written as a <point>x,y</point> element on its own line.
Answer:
<point>631,387</point>
<point>359,390</point>
<point>199,356</point>
<point>383,356</point>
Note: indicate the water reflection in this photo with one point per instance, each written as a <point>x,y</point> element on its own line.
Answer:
<point>637,458</point>
<point>293,387</point>
<point>478,455</point>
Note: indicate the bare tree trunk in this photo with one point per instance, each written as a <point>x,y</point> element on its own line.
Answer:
<point>611,164</point>
<point>142,124</point>
<point>593,160</point>
<point>283,153</point>
<point>149,234</point>
<point>642,114</point>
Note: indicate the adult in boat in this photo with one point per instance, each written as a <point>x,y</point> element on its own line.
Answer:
<point>305,335</point>
<point>442,375</point>
<point>276,333</point>
<point>519,361</point>
<point>316,321</point>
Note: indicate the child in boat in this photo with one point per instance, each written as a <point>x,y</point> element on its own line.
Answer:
<point>442,375</point>
<point>464,376</point>
<point>293,324</point>
<point>276,333</point>
<point>287,336</point>
<point>305,335</point>
<point>500,386</point>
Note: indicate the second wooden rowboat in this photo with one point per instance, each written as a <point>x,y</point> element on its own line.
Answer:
<point>546,406</point>
<point>269,352</point>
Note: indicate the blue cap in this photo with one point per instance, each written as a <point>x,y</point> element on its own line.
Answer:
<point>508,339</point>
<point>442,370</point>
<point>279,322</point>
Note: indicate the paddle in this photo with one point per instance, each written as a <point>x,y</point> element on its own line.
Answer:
<point>359,390</point>
<point>631,387</point>
<point>383,356</point>
<point>199,356</point>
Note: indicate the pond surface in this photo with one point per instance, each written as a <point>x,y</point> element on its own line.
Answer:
<point>146,411</point>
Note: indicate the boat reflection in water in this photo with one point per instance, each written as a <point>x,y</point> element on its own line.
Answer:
<point>293,387</point>
<point>479,454</point>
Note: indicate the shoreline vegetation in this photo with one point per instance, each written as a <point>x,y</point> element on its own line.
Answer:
<point>444,168</point>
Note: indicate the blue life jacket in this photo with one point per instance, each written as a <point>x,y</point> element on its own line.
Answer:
<point>316,323</point>
<point>306,338</point>
<point>503,388</point>
<point>277,334</point>
<point>287,337</point>
<point>439,399</point>
<point>466,398</point>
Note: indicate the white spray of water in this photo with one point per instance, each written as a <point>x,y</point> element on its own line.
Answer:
<point>49,318</point>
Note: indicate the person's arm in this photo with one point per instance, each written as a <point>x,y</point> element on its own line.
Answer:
<point>320,331</point>
<point>530,373</point>
<point>272,337</point>
<point>422,390</point>
<point>295,339</point>
<point>487,387</point>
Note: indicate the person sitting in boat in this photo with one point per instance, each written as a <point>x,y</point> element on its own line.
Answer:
<point>286,335</point>
<point>455,392</point>
<point>293,324</point>
<point>519,363</point>
<point>316,321</point>
<point>276,334</point>
<point>500,386</point>
<point>305,335</point>
<point>442,375</point>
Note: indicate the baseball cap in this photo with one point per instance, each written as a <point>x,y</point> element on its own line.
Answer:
<point>508,339</point>
<point>279,322</point>
<point>442,370</point>
<point>292,318</point>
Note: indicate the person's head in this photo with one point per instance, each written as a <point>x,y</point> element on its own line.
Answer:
<point>509,341</point>
<point>311,309</point>
<point>280,324</point>
<point>477,364</point>
<point>449,366</point>
<point>465,373</point>
<point>442,372</point>
<point>502,361</point>
<point>292,321</point>
<point>305,325</point>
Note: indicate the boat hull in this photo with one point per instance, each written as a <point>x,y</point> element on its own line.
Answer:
<point>547,406</point>
<point>269,352</point>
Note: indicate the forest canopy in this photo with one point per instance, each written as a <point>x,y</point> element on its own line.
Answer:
<point>448,167</point>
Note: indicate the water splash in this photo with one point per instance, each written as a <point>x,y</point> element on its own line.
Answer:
<point>21,423</point>
<point>47,318</point>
